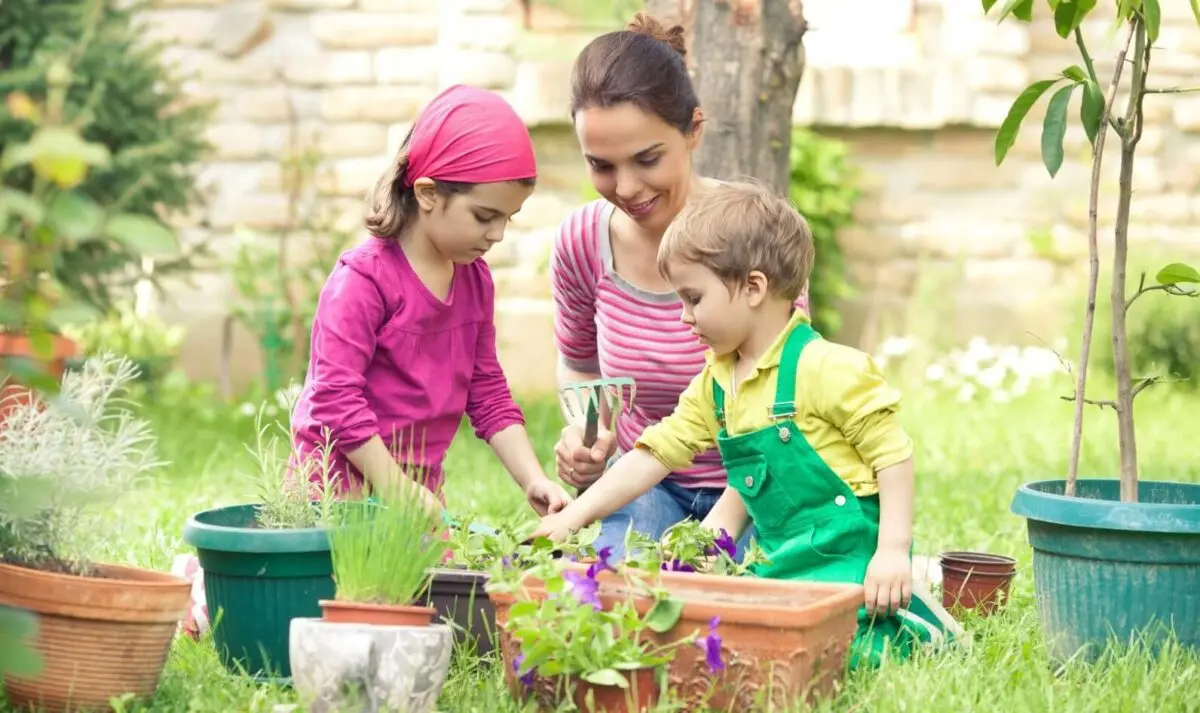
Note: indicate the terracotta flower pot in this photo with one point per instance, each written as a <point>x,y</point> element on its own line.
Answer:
<point>100,636</point>
<point>340,612</point>
<point>640,697</point>
<point>780,640</point>
<point>975,587</point>
<point>18,347</point>
<point>979,562</point>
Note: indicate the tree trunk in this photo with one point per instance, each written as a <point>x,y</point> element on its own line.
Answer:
<point>746,58</point>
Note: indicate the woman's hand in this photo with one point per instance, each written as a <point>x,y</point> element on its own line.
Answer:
<point>579,466</point>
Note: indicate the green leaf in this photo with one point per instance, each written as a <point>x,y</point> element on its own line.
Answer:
<point>607,677</point>
<point>1176,273</point>
<point>1195,10</point>
<point>143,235</point>
<point>59,154</point>
<point>1091,108</point>
<point>1054,128</point>
<point>18,628</point>
<point>1024,10</point>
<point>522,609</point>
<point>22,204</point>
<point>663,616</point>
<point>1075,73</point>
<point>1011,126</point>
<point>1070,14</point>
<point>987,5</point>
<point>70,312</point>
<point>1153,18</point>
<point>74,216</point>
<point>1125,9</point>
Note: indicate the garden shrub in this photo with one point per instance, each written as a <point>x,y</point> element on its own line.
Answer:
<point>138,109</point>
<point>824,190</point>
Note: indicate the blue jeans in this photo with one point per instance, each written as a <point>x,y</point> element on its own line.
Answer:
<point>658,509</point>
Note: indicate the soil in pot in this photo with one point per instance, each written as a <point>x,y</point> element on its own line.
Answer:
<point>341,612</point>
<point>459,596</point>
<point>256,581</point>
<point>100,636</point>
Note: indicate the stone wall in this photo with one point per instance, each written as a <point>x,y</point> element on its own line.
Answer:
<point>945,239</point>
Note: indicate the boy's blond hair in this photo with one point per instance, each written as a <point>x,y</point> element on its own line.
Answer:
<point>735,228</point>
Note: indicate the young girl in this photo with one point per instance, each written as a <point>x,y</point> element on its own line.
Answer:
<point>403,341</point>
<point>807,429</point>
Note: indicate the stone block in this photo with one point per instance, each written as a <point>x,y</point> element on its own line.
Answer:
<point>418,66</point>
<point>488,70</point>
<point>869,244</point>
<point>962,234</point>
<point>240,26</point>
<point>256,67</point>
<point>525,344</point>
<point>317,68</point>
<point>1170,208</point>
<point>966,173</point>
<point>997,74</point>
<point>543,209</point>
<point>522,282</point>
<point>236,141</point>
<point>486,33</point>
<point>352,139</point>
<point>352,176</point>
<point>998,277</point>
<point>250,211</point>
<point>266,104</point>
<point>1187,112</point>
<point>188,27</point>
<point>895,278</point>
<point>186,3</point>
<point>394,5</point>
<point>369,30</point>
<point>382,104</point>
<point>484,6</point>
<point>310,4</point>
<point>238,178</point>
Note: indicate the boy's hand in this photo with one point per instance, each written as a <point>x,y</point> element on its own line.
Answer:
<point>545,496</point>
<point>556,527</point>
<point>888,584</point>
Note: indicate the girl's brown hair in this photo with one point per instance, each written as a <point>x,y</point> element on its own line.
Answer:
<point>393,204</point>
<point>642,64</point>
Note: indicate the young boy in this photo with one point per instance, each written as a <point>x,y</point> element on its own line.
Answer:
<point>816,457</point>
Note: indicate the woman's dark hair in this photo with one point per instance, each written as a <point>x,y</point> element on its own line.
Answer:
<point>393,204</point>
<point>643,65</point>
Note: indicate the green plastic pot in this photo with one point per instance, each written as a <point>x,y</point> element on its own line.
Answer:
<point>1105,569</point>
<point>256,581</point>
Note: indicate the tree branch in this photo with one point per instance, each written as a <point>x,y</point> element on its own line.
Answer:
<point>1171,90</point>
<point>1171,289</point>
<point>1142,385</point>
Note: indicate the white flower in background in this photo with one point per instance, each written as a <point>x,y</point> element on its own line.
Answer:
<point>247,409</point>
<point>935,372</point>
<point>966,392</point>
<point>896,346</point>
<point>993,376</point>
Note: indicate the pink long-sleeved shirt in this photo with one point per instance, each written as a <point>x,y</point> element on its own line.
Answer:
<point>389,358</point>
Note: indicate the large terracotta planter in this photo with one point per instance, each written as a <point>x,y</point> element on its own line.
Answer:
<point>781,641</point>
<point>100,636</point>
<point>18,347</point>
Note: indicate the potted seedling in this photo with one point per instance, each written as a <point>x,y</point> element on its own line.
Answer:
<point>1087,534</point>
<point>569,647</point>
<point>376,640</point>
<point>103,630</point>
<point>266,563</point>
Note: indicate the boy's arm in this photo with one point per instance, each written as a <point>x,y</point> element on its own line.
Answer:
<point>665,447</point>
<point>896,507</point>
<point>728,514</point>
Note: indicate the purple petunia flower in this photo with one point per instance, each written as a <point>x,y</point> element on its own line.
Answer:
<point>525,678</point>
<point>712,646</point>
<point>583,588</point>
<point>725,542</point>
<point>676,566</point>
<point>602,564</point>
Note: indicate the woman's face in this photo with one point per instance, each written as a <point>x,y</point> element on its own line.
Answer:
<point>637,161</point>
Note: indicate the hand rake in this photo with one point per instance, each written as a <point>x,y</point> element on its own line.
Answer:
<point>588,399</point>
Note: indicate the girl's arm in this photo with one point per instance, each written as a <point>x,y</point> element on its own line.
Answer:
<point>513,448</point>
<point>729,514</point>
<point>375,462</point>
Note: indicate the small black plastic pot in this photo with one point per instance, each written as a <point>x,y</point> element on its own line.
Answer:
<point>459,596</point>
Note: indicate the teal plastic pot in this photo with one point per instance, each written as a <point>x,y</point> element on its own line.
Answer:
<point>256,581</point>
<point>1105,569</point>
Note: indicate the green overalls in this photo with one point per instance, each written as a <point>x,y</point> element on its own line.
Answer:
<point>809,523</point>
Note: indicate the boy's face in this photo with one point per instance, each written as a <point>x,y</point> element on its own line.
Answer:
<point>720,318</point>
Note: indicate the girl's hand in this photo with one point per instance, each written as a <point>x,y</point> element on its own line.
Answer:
<point>579,466</point>
<point>546,497</point>
<point>888,584</point>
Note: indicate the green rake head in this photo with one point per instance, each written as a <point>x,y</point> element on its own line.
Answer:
<point>587,399</point>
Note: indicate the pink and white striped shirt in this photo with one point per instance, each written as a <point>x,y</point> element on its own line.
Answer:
<point>603,324</point>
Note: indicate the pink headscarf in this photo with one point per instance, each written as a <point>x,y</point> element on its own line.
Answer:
<point>469,135</point>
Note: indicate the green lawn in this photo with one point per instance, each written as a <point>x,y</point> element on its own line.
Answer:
<point>971,457</point>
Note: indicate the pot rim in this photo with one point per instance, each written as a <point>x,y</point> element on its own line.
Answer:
<point>979,573</point>
<point>135,594</point>
<point>1041,501</point>
<point>979,558</point>
<point>371,606</point>
<point>250,540</point>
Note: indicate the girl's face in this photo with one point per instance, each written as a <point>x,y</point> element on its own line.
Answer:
<point>638,162</point>
<point>464,226</point>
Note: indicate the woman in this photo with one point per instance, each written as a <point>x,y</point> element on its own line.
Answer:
<point>638,121</point>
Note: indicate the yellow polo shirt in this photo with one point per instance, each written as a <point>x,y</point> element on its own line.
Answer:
<point>844,408</point>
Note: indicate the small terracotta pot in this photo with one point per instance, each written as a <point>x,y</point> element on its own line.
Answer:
<point>18,346</point>
<point>100,636</point>
<point>340,612</point>
<point>976,581</point>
